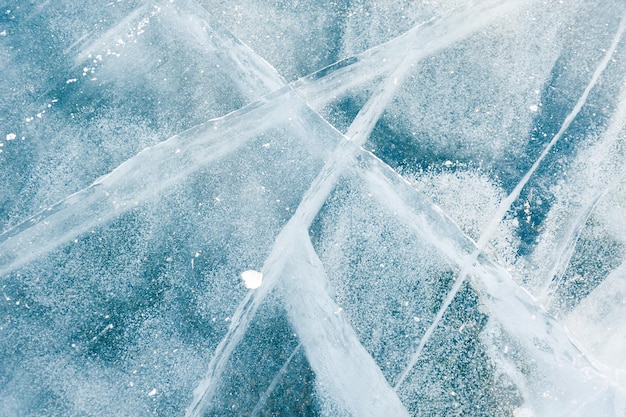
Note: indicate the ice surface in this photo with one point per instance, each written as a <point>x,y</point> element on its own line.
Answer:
<point>298,208</point>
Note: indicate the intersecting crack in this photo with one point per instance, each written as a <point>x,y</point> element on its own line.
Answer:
<point>87,208</point>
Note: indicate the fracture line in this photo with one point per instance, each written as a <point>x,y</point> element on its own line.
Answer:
<point>506,204</point>
<point>508,303</point>
<point>565,251</point>
<point>312,201</point>
<point>275,381</point>
<point>26,241</point>
<point>306,211</point>
<point>240,320</point>
<point>358,133</point>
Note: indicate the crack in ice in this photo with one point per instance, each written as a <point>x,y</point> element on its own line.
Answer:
<point>327,338</point>
<point>506,204</point>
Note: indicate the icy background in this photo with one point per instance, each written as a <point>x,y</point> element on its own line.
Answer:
<point>433,191</point>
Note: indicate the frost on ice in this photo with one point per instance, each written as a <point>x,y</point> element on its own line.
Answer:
<point>432,192</point>
<point>252,279</point>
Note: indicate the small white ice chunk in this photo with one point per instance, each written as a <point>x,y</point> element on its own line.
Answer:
<point>11,136</point>
<point>534,108</point>
<point>152,393</point>
<point>252,279</point>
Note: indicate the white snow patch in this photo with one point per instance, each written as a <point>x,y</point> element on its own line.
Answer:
<point>252,279</point>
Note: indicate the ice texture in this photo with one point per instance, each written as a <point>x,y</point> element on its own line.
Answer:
<point>353,208</point>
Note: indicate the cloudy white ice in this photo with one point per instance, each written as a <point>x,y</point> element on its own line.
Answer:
<point>305,208</point>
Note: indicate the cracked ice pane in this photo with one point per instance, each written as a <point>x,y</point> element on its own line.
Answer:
<point>354,208</point>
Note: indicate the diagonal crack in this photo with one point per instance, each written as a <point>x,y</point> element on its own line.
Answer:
<point>111,195</point>
<point>469,264</point>
<point>509,303</point>
<point>281,253</point>
<point>314,89</point>
<point>595,189</point>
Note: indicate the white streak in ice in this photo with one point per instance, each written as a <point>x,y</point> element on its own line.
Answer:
<point>506,204</point>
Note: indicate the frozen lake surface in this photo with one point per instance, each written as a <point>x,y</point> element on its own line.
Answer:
<point>302,208</point>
